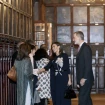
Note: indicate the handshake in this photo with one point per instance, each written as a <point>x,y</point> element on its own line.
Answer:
<point>38,71</point>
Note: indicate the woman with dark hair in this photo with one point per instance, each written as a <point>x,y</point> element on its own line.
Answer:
<point>41,58</point>
<point>32,45</point>
<point>60,75</point>
<point>24,76</point>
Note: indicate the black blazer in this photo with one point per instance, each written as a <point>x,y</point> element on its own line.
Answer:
<point>84,64</point>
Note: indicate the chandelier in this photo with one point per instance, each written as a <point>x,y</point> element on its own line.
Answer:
<point>88,0</point>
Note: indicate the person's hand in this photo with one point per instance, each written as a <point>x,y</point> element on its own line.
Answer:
<point>78,86</point>
<point>82,81</point>
<point>40,71</point>
<point>39,89</point>
<point>69,83</point>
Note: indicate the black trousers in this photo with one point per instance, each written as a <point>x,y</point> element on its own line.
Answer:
<point>84,93</point>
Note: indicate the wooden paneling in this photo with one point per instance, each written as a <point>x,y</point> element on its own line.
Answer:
<point>1,17</point>
<point>15,26</point>
<point>7,87</point>
<point>12,13</point>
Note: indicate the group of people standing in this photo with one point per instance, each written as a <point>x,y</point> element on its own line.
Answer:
<point>42,76</point>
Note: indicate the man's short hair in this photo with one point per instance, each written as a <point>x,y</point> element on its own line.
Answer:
<point>80,34</point>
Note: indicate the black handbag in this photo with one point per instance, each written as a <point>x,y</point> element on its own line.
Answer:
<point>69,93</point>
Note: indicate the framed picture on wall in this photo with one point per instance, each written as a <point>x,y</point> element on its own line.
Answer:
<point>97,14</point>
<point>80,14</point>
<point>63,15</point>
<point>96,34</point>
<point>63,34</point>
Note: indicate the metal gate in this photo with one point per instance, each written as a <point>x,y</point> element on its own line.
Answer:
<point>7,87</point>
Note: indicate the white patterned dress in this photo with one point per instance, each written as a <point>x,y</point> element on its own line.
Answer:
<point>44,79</point>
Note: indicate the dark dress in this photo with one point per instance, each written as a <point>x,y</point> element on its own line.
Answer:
<point>59,79</point>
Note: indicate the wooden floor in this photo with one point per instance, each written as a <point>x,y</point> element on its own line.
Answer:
<point>98,99</point>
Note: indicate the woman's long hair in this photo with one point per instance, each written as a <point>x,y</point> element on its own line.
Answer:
<point>60,50</point>
<point>58,44</point>
<point>23,52</point>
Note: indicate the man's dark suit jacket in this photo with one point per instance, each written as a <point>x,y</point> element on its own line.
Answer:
<point>84,64</point>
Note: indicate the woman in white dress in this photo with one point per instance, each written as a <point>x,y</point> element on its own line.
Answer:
<point>43,88</point>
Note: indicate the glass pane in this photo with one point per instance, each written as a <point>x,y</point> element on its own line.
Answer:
<point>9,1</point>
<point>21,4</point>
<point>14,3</point>
<point>39,27</point>
<point>40,36</point>
<point>85,1</point>
<point>39,43</point>
<point>27,28</point>
<point>21,26</point>
<point>80,14</point>
<point>63,34</point>
<point>10,21</point>
<point>24,27</point>
<point>5,20</point>
<point>96,34</point>
<point>5,0</point>
<point>1,18</point>
<point>17,24</point>
<point>14,23</point>
<point>36,11</point>
<point>17,3</point>
<point>49,14</point>
<point>97,14</point>
<point>63,15</point>
<point>69,1</point>
<point>30,29</point>
<point>53,1</point>
<point>83,29</point>
<point>28,6</point>
<point>47,1</point>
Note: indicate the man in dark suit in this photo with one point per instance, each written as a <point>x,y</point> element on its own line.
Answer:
<point>84,72</point>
